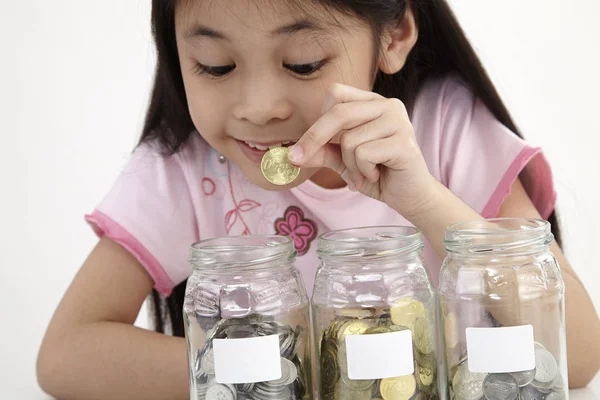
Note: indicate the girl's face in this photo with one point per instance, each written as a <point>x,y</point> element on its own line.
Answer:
<point>256,73</point>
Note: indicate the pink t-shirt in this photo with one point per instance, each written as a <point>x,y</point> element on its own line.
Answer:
<point>160,205</point>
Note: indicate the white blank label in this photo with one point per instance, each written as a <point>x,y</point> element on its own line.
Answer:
<point>247,360</point>
<point>378,356</point>
<point>499,350</point>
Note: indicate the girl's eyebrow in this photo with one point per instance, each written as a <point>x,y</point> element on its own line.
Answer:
<point>201,31</point>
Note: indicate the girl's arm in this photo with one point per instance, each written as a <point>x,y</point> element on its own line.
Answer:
<point>583,324</point>
<point>91,349</point>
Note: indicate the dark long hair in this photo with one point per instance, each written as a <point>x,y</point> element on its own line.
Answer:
<point>442,48</point>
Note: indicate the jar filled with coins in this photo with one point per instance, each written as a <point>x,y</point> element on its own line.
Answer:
<point>247,320</point>
<point>374,316</point>
<point>503,323</point>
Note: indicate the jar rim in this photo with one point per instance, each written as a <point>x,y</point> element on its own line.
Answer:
<point>497,234</point>
<point>370,241</point>
<point>234,251</point>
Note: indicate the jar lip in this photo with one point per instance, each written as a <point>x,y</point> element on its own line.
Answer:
<point>378,234</point>
<point>234,251</point>
<point>497,234</point>
<point>370,242</point>
<point>242,241</point>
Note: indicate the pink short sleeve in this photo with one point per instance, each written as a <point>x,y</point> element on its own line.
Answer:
<point>149,212</point>
<point>480,158</point>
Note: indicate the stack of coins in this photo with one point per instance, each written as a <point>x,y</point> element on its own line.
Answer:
<point>406,314</point>
<point>295,368</point>
<point>545,382</point>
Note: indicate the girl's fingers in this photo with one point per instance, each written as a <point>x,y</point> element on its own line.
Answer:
<point>372,154</point>
<point>341,117</point>
<point>339,93</point>
<point>328,156</point>
<point>378,129</point>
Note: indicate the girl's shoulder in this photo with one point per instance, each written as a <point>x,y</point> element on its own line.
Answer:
<point>193,159</point>
<point>443,94</point>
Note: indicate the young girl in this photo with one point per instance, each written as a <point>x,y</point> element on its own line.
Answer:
<point>386,109</point>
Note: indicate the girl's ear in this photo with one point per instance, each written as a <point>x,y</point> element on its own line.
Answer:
<point>396,43</point>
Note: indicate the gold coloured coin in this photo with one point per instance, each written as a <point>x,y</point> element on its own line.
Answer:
<point>377,329</point>
<point>399,388</point>
<point>423,335</point>
<point>357,327</point>
<point>425,375</point>
<point>451,330</point>
<point>405,311</point>
<point>355,312</point>
<point>276,167</point>
<point>397,328</point>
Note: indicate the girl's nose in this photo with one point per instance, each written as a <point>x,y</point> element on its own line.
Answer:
<point>262,102</point>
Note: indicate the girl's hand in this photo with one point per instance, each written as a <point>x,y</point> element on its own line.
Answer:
<point>377,154</point>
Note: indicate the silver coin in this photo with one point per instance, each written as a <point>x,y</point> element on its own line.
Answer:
<point>530,393</point>
<point>263,391</point>
<point>289,373</point>
<point>538,346</point>
<point>468,385</point>
<point>201,390</point>
<point>500,387</point>
<point>540,388</point>
<point>556,396</point>
<point>558,384</point>
<point>546,367</point>
<point>220,392</point>
<point>524,378</point>
<point>240,332</point>
<point>244,387</point>
<point>197,365</point>
<point>208,362</point>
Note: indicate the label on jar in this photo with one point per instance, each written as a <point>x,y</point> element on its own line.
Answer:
<point>383,355</point>
<point>247,360</point>
<point>500,350</point>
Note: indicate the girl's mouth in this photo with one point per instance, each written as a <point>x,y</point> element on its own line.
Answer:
<point>255,151</point>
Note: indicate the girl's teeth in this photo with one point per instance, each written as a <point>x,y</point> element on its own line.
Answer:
<point>264,148</point>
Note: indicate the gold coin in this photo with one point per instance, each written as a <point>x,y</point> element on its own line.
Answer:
<point>343,392</point>
<point>399,388</point>
<point>376,329</point>
<point>397,328</point>
<point>357,327</point>
<point>405,311</point>
<point>423,335</point>
<point>425,375</point>
<point>451,330</point>
<point>354,312</point>
<point>276,167</point>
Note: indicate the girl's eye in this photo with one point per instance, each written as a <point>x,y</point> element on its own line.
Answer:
<point>217,71</point>
<point>305,69</point>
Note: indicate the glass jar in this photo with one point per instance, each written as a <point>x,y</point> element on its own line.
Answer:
<point>503,322</point>
<point>374,316</point>
<point>247,320</point>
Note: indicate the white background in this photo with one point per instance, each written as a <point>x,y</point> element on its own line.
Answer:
<point>74,81</point>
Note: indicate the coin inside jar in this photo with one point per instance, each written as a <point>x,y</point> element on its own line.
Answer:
<point>277,169</point>
<point>500,387</point>
<point>400,388</point>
